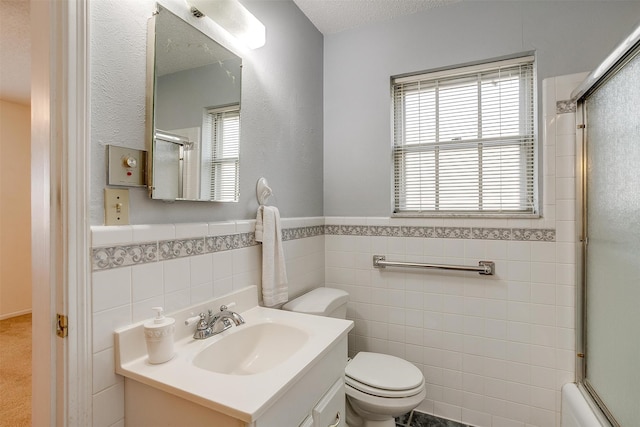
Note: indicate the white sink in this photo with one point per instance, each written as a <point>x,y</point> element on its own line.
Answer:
<point>251,349</point>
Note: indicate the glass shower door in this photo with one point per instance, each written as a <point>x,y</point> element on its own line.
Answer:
<point>612,264</point>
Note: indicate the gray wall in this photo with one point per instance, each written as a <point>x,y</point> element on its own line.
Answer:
<point>281,109</point>
<point>568,37</point>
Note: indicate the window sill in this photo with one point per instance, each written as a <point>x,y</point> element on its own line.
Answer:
<point>465,215</point>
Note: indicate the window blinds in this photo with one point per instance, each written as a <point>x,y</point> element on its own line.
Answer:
<point>464,140</point>
<point>225,159</point>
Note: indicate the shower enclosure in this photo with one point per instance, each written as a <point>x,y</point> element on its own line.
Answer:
<point>608,114</point>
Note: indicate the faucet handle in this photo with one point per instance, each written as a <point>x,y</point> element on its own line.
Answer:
<point>202,323</point>
<point>202,329</point>
<point>226,307</point>
<point>191,320</point>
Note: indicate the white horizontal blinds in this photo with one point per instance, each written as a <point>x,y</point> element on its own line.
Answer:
<point>465,143</point>
<point>226,154</point>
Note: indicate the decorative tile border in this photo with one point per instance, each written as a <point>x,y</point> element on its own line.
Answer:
<point>229,242</point>
<point>533,235</point>
<point>104,258</point>
<point>521,234</point>
<point>566,106</point>
<point>302,232</point>
<point>491,233</point>
<point>170,249</point>
<point>121,256</point>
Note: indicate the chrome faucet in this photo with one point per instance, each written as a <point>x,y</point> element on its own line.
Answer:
<point>213,324</point>
<point>223,316</point>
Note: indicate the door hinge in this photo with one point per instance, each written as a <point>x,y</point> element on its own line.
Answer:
<point>62,326</point>
<point>581,126</point>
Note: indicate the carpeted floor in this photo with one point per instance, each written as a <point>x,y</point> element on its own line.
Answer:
<point>15,371</point>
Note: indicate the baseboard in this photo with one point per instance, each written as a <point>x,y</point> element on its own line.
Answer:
<point>15,314</point>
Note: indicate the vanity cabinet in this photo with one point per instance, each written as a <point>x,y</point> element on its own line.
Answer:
<point>330,411</point>
<point>271,382</point>
<point>313,400</point>
<point>319,394</point>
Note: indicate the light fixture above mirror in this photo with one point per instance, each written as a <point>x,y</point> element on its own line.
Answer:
<point>234,18</point>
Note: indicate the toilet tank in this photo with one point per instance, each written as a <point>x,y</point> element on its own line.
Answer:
<point>326,302</point>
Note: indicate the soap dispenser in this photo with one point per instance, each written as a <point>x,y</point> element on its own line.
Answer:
<point>159,337</point>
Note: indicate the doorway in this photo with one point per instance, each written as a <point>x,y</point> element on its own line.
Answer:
<point>15,371</point>
<point>15,214</point>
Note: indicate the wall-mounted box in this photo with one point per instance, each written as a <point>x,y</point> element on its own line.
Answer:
<point>126,166</point>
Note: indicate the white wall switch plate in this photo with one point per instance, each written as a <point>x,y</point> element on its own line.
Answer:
<point>116,206</point>
<point>126,166</point>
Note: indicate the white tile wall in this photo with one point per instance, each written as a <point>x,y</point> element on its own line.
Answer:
<point>494,350</point>
<point>121,296</point>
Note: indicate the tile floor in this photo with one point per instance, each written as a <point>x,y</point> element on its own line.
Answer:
<point>420,419</point>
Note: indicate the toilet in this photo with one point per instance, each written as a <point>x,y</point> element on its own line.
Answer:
<point>379,387</point>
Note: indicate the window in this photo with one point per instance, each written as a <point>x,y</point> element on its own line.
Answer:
<point>464,140</point>
<point>223,125</point>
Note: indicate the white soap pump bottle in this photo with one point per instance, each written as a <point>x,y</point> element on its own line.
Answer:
<point>158,334</point>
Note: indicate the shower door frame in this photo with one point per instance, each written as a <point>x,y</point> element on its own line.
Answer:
<point>599,408</point>
<point>626,51</point>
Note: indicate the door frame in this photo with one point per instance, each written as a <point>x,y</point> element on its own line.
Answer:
<point>60,135</point>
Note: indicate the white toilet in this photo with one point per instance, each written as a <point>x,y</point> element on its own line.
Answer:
<point>379,387</point>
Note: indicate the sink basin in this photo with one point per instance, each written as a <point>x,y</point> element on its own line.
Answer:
<point>251,349</point>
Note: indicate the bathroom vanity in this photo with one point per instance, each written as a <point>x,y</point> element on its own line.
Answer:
<point>278,369</point>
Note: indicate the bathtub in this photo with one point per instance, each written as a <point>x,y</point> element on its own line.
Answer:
<point>576,410</point>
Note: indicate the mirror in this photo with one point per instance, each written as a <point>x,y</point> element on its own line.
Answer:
<point>193,108</point>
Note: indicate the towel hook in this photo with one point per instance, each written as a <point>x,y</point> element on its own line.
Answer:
<point>263,191</point>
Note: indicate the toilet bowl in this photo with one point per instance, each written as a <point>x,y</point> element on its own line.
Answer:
<point>379,387</point>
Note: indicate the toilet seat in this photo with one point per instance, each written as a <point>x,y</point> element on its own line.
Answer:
<point>379,392</point>
<point>383,375</point>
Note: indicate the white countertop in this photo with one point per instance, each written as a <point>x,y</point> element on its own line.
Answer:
<point>245,397</point>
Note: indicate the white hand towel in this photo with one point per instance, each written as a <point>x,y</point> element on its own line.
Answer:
<point>259,224</point>
<point>274,274</point>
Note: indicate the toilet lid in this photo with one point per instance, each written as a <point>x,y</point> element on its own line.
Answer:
<point>320,301</point>
<point>383,372</point>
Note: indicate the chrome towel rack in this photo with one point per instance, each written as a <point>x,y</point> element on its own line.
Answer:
<point>486,268</point>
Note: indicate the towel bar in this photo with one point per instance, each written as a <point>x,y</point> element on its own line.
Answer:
<point>486,268</point>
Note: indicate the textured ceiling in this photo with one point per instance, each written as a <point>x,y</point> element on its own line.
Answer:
<point>333,16</point>
<point>15,51</point>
